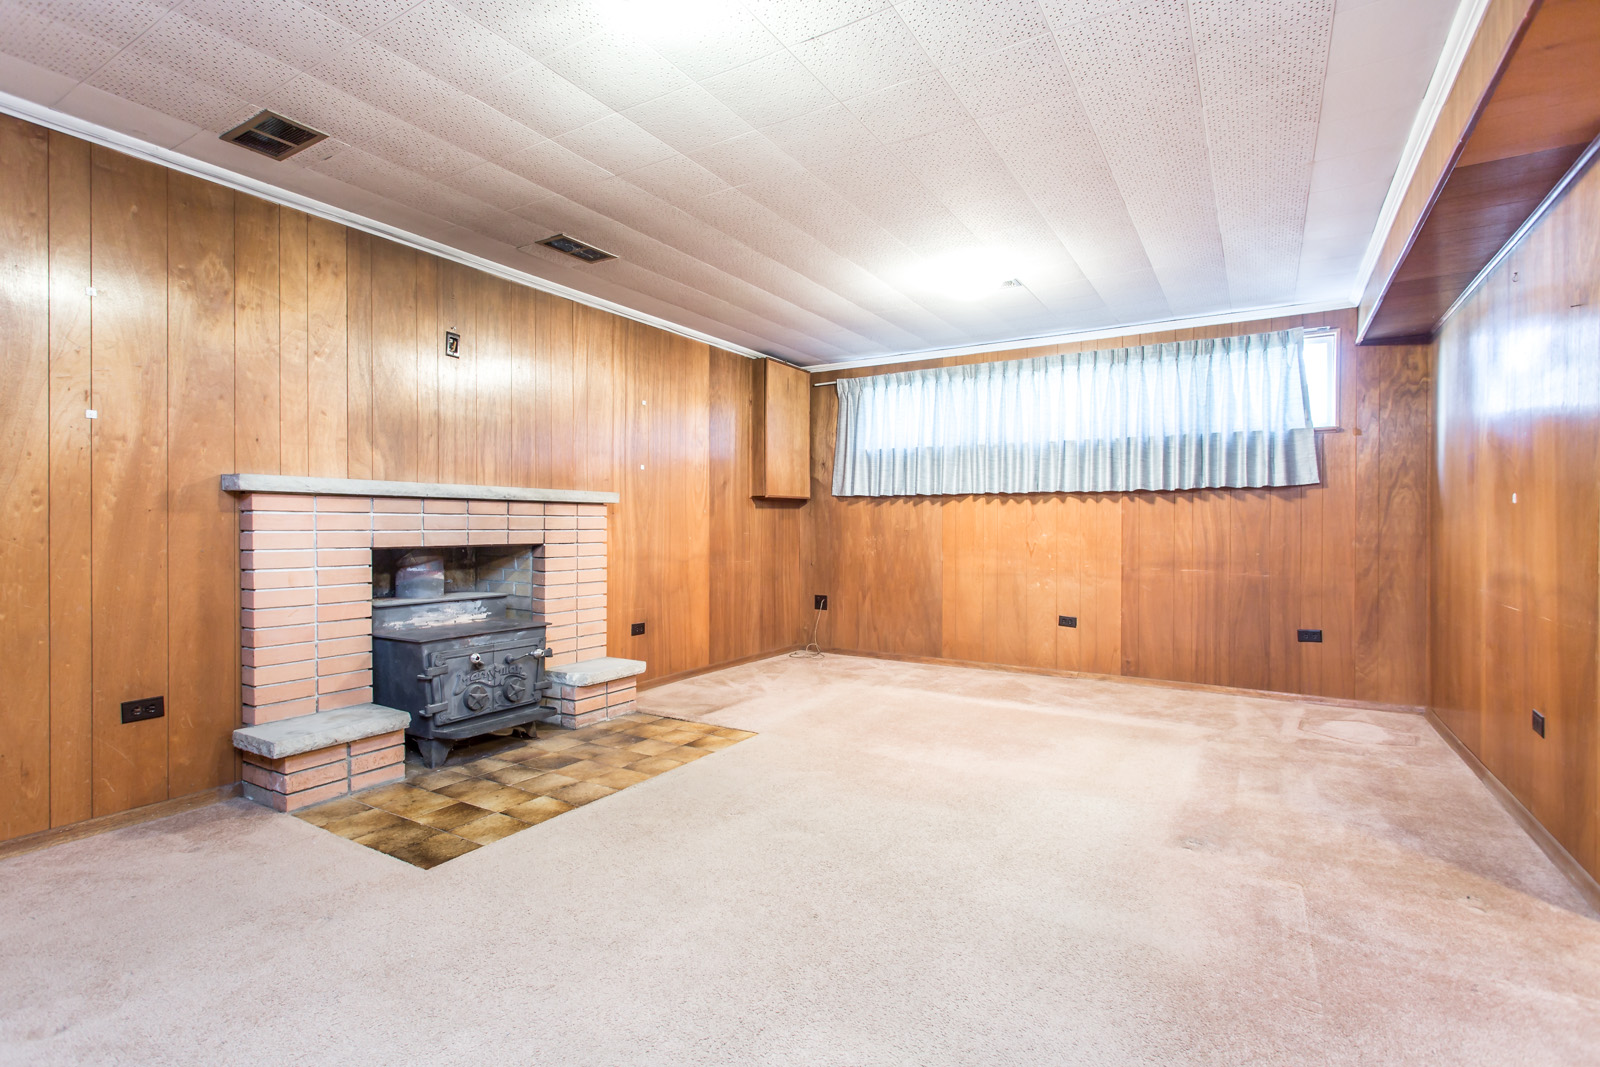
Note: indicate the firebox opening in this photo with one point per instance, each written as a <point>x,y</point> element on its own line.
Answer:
<point>429,572</point>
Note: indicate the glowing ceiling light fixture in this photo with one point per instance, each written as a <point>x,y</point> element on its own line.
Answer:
<point>965,275</point>
<point>671,23</point>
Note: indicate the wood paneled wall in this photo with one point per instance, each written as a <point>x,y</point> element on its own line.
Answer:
<point>229,334</point>
<point>1516,519</point>
<point>1208,586</point>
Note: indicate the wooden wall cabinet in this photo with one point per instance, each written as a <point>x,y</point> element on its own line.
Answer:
<point>781,468</point>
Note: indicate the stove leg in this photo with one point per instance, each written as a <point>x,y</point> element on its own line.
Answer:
<point>434,753</point>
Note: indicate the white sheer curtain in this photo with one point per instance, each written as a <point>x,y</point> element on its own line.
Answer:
<point>1230,411</point>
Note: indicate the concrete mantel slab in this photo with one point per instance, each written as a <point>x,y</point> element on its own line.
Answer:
<point>289,483</point>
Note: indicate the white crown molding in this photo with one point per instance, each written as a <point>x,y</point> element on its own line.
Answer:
<point>49,117</point>
<point>1222,318</point>
<point>1463,28</point>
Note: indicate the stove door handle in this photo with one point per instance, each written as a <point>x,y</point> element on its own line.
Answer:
<point>537,653</point>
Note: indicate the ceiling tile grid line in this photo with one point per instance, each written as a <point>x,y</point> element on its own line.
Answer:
<point>1126,160</point>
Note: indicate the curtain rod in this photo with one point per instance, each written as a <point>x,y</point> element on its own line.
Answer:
<point>1307,329</point>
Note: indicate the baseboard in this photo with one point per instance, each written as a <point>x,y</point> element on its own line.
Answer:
<point>1581,879</point>
<point>58,835</point>
<point>681,675</point>
<point>1157,683</point>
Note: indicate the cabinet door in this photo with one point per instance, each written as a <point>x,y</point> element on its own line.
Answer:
<point>782,467</point>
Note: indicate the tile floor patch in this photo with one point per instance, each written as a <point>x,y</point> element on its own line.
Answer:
<point>503,786</point>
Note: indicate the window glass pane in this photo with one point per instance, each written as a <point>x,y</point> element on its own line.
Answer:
<point>1322,377</point>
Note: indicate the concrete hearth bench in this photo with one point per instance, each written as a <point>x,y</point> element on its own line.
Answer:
<point>593,689</point>
<point>307,759</point>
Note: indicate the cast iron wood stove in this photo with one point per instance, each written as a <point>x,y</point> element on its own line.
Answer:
<point>463,664</point>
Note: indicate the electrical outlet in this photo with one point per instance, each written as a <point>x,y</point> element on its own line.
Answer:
<point>638,629</point>
<point>1067,620</point>
<point>820,601</point>
<point>140,710</point>
<point>1538,723</point>
<point>1309,636</point>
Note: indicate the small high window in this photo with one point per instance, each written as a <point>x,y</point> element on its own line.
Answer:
<point>1321,360</point>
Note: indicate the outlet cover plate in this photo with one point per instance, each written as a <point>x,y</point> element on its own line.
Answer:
<point>140,710</point>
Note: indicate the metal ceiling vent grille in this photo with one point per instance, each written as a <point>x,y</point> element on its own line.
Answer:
<point>576,248</point>
<point>273,135</point>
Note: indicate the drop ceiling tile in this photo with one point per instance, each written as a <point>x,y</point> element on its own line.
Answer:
<point>1135,71</point>
<point>797,22</point>
<point>412,148</point>
<point>1385,31</point>
<point>55,46</point>
<point>1064,13</point>
<point>495,185</point>
<point>1261,113</point>
<point>688,119</point>
<point>739,38</point>
<point>616,144</point>
<point>449,45</point>
<point>677,180</point>
<point>144,81</point>
<point>335,112</point>
<point>555,166</point>
<point>382,79</point>
<point>500,226</point>
<point>1029,74</point>
<point>542,100</point>
<point>291,32</point>
<point>363,16</point>
<point>117,24</point>
<point>877,51</point>
<point>616,70</point>
<point>359,167</point>
<point>953,33</point>
<point>145,122</point>
<point>179,43</point>
<point>909,109</point>
<point>1343,136</point>
<point>469,123</point>
<point>771,89</point>
<point>752,157</point>
<point>538,27</point>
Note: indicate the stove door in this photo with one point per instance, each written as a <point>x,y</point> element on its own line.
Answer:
<point>487,675</point>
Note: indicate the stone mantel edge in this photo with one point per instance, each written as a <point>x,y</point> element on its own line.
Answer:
<point>289,483</point>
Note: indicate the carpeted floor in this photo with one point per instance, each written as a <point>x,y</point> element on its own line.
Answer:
<point>907,865</point>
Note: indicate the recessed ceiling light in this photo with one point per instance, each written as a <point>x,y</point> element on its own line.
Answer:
<point>679,22</point>
<point>964,275</point>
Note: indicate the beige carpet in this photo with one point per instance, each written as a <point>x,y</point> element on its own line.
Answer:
<point>909,865</point>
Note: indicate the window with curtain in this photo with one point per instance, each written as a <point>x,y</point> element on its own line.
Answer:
<point>1229,411</point>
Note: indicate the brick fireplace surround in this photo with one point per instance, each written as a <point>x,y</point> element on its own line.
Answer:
<point>305,548</point>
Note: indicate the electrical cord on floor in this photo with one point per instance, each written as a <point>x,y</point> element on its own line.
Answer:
<point>812,650</point>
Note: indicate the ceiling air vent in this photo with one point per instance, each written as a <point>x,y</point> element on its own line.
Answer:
<point>273,135</point>
<point>576,248</point>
